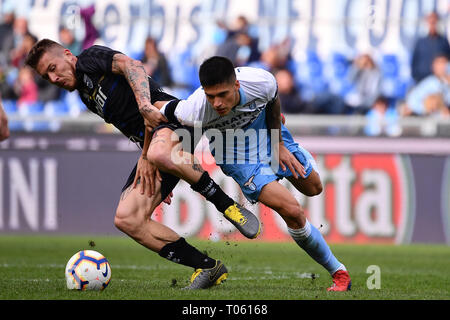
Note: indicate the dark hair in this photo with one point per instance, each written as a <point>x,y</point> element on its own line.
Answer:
<point>382,99</point>
<point>440,56</point>
<point>216,70</point>
<point>38,50</point>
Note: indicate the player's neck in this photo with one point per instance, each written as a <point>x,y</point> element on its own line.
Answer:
<point>237,100</point>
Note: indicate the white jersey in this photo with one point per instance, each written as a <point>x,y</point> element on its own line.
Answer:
<point>257,88</point>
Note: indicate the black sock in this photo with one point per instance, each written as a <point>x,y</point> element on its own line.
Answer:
<point>183,253</point>
<point>212,192</point>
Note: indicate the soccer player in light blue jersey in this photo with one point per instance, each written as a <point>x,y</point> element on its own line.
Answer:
<point>238,109</point>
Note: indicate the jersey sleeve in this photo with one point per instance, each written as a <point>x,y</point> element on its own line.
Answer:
<point>96,59</point>
<point>258,83</point>
<point>189,112</point>
<point>271,86</point>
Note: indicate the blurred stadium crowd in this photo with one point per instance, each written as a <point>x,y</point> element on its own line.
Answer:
<point>363,85</point>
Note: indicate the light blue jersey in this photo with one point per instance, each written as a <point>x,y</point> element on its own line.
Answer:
<point>251,165</point>
<point>240,141</point>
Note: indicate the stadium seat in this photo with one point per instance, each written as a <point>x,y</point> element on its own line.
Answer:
<point>336,72</point>
<point>395,88</point>
<point>56,108</point>
<point>53,110</point>
<point>308,75</point>
<point>74,104</point>
<point>28,111</point>
<point>394,85</point>
<point>137,55</point>
<point>184,72</point>
<point>340,87</point>
<point>10,107</point>
<point>390,66</point>
<point>340,65</point>
<point>314,64</point>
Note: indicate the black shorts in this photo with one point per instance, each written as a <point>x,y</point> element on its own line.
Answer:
<point>169,181</point>
<point>157,93</point>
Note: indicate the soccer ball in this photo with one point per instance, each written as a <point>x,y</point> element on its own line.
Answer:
<point>88,270</point>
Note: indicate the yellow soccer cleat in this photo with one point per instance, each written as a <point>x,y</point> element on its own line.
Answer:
<point>245,221</point>
<point>206,278</point>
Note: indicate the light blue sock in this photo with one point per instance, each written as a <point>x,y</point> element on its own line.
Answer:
<point>311,240</point>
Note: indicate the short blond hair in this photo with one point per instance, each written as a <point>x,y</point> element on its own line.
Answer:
<point>38,50</point>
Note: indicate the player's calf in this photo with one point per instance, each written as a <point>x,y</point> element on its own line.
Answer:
<point>132,225</point>
<point>292,215</point>
<point>133,215</point>
<point>125,220</point>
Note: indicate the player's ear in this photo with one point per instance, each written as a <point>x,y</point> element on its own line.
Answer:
<point>67,52</point>
<point>237,84</point>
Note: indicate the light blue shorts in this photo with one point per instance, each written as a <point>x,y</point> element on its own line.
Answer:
<point>252,177</point>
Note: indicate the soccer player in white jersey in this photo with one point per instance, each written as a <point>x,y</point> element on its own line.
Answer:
<point>242,104</point>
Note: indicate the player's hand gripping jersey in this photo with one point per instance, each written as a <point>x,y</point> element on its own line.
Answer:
<point>240,141</point>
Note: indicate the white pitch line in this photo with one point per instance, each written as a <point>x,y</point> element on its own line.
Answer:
<point>61,266</point>
<point>275,277</point>
<point>268,274</point>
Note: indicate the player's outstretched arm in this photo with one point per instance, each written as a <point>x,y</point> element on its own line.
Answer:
<point>134,72</point>
<point>4,130</point>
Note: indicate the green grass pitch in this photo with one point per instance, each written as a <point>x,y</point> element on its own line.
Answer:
<point>32,267</point>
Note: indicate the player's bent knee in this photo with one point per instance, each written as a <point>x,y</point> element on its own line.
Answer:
<point>314,186</point>
<point>126,221</point>
<point>293,214</point>
<point>120,222</point>
<point>315,189</point>
<point>161,158</point>
<point>319,188</point>
<point>295,211</point>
